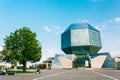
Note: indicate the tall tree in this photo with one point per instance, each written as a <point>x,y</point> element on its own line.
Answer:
<point>22,46</point>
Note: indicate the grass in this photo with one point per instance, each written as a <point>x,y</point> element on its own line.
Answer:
<point>20,72</point>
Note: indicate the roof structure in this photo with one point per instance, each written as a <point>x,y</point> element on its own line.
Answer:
<point>83,25</point>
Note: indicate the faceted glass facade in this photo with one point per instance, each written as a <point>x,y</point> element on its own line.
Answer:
<point>80,38</point>
<point>94,37</point>
<point>66,40</point>
<point>77,37</point>
<point>84,41</point>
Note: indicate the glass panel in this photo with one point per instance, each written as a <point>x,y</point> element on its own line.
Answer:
<point>79,37</point>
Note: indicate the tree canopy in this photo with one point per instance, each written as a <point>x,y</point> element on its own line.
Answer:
<point>22,46</point>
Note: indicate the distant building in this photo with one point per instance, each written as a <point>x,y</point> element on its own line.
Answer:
<point>46,64</point>
<point>81,43</point>
<point>117,61</point>
<point>4,64</point>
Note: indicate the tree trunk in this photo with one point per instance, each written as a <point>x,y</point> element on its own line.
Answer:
<point>24,66</point>
<point>15,65</point>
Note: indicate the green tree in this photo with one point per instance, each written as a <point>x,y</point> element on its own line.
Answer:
<point>22,46</point>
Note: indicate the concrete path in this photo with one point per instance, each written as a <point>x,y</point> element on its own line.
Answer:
<point>82,74</point>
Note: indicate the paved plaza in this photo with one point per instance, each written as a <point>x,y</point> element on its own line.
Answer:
<point>81,74</point>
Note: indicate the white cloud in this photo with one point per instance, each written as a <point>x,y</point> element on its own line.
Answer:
<point>79,20</point>
<point>56,29</point>
<point>46,28</point>
<point>117,20</point>
<point>110,21</point>
<point>101,27</point>
<point>53,29</point>
<point>107,24</point>
<point>85,21</point>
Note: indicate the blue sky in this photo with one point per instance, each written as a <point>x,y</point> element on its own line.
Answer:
<point>49,18</point>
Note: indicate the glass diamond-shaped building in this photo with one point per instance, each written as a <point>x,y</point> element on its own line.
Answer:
<point>81,38</point>
<point>81,43</point>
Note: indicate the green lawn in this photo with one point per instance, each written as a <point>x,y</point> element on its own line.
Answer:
<point>20,72</point>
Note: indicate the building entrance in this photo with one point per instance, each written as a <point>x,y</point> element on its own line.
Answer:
<point>81,61</point>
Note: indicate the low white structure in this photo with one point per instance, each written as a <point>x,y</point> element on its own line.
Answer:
<point>62,61</point>
<point>102,60</point>
<point>99,60</point>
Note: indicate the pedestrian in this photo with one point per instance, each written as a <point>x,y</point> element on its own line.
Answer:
<point>4,71</point>
<point>38,69</point>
